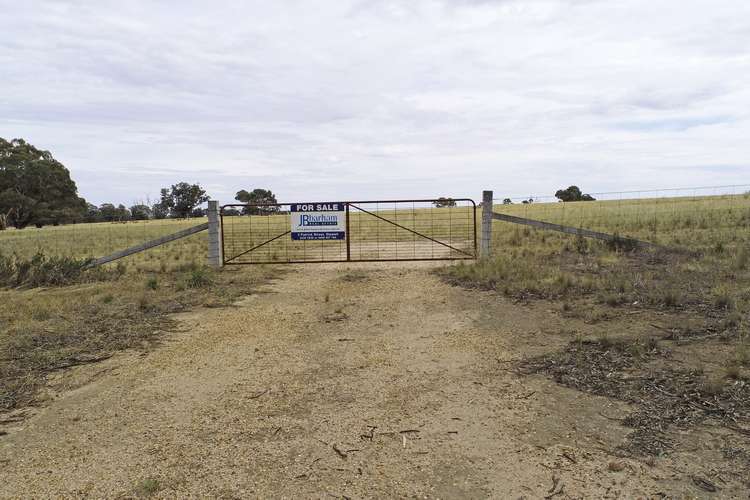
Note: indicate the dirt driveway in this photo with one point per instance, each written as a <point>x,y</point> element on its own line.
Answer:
<point>371,381</point>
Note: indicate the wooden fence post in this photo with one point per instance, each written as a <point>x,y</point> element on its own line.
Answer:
<point>486,248</point>
<point>215,249</point>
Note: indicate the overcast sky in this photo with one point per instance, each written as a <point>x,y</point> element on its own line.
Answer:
<point>378,99</point>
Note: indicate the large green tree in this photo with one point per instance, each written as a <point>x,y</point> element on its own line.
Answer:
<point>181,199</point>
<point>258,201</point>
<point>573,193</point>
<point>35,188</point>
<point>444,202</point>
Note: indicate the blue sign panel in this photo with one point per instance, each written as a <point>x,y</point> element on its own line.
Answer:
<point>318,221</point>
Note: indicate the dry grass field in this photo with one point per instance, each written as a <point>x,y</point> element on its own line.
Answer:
<point>567,338</point>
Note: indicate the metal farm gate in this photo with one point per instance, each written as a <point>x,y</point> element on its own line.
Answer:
<point>351,231</point>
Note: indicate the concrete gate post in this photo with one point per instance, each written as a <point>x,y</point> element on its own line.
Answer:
<point>486,248</point>
<point>215,250</point>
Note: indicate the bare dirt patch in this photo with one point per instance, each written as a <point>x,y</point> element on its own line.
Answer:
<point>409,389</point>
<point>664,398</point>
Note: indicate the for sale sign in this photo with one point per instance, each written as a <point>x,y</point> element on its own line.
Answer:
<point>319,221</point>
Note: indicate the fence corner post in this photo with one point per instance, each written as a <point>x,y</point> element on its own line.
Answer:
<point>215,250</point>
<point>486,248</point>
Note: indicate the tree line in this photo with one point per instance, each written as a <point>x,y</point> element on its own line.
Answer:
<point>36,189</point>
<point>571,193</point>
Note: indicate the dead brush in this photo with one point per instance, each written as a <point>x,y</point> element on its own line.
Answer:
<point>671,298</point>
<point>722,298</point>
<point>660,395</point>
<point>742,259</point>
<point>42,270</point>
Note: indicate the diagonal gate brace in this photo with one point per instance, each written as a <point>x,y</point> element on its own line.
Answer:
<point>256,247</point>
<point>412,231</point>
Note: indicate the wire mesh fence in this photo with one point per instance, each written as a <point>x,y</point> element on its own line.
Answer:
<point>695,218</point>
<point>93,240</point>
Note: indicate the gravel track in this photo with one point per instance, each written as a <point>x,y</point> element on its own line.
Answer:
<point>370,381</point>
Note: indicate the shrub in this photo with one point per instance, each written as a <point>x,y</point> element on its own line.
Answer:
<point>152,283</point>
<point>620,243</point>
<point>147,488</point>
<point>198,278</point>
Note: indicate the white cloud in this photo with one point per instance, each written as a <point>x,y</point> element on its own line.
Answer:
<point>376,98</point>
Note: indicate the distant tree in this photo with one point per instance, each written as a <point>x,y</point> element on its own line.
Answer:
<point>231,212</point>
<point>182,198</point>
<point>92,213</point>
<point>141,212</point>
<point>507,201</point>
<point>122,213</point>
<point>35,188</point>
<point>444,202</point>
<point>107,212</point>
<point>160,211</point>
<point>572,193</point>
<point>257,197</point>
<point>528,202</point>
<point>198,212</point>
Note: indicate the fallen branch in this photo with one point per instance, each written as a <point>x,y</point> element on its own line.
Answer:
<point>567,455</point>
<point>80,361</point>
<point>256,396</point>
<point>554,494</point>
<point>555,481</point>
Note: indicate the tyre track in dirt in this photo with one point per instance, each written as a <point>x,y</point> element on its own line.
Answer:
<point>378,382</point>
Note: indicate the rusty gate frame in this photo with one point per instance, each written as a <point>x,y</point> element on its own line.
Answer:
<point>354,204</point>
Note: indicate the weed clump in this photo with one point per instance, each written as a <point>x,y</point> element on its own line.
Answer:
<point>671,298</point>
<point>148,487</point>
<point>42,270</point>
<point>198,277</point>
<point>152,283</point>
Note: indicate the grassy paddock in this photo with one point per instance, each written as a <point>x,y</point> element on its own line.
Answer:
<point>530,262</point>
<point>83,241</point>
<point>696,223</point>
<point>699,223</point>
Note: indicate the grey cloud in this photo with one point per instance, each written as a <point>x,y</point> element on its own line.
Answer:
<point>367,98</point>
